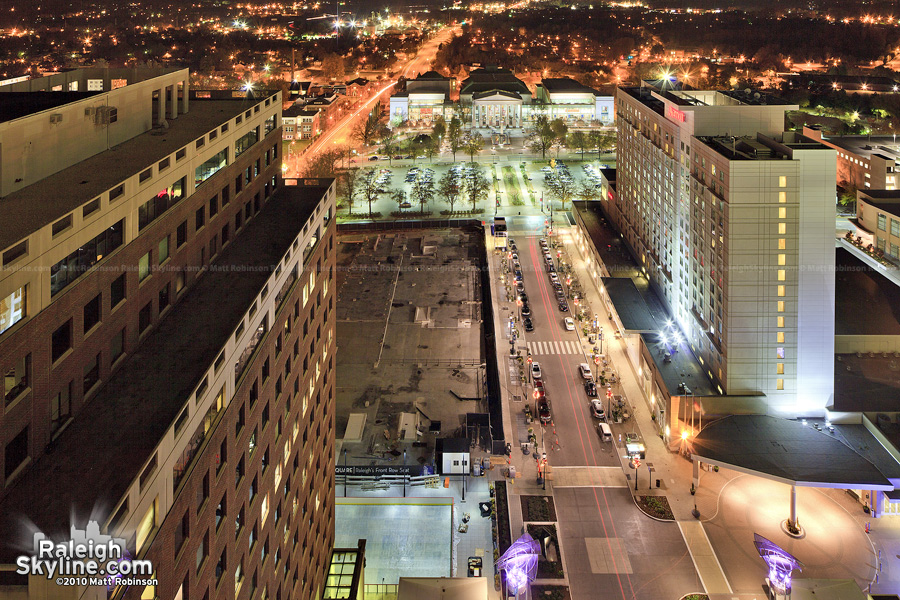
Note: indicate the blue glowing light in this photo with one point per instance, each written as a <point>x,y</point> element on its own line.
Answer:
<point>520,562</point>
<point>780,563</point>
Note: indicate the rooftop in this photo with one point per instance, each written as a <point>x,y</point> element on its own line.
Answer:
<point>492,78</point>
<point>564,85</point>
<point>16,105</point>
<point>786,451</point>
<point>867,145</point>
<point>36,206</point>
<point>857,284</point>
<point>95,460</point>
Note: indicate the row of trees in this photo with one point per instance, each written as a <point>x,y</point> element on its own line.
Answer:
<point>546,134</point>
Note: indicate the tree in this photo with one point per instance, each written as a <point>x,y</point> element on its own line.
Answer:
<point>321,164</point>
<point>847,196</point>
<point>587,191</point>
<point>399,196</point>
<point>477,185</point>
<point>473,144</point>
<point>370,191</point>
<point>440,128</point>
<point>333,66</point>
<point>559,129</point>
<point>348,183</point>
<point>579,141</point>
<point>603,140</point>
<point>455,136</point>
<point>432,148</point>
<point>369,130</point>
<point>561,189</point>
<point>541,135</point>
<point>449,188</point>
<point>389,145</point>
<point>423,192</point>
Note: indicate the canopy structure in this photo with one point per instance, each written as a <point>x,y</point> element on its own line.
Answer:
<point>520,562</point>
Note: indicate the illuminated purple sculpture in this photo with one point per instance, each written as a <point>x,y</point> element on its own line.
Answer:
<point>780,563</point>
<point>520,562</point>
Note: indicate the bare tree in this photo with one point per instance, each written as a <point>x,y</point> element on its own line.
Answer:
<point>587,191</point>
<point>321,164</point>
<point>423,192</point>
<point>602,140</point>
<point>455,136</point>
<point>473,144</point>
<point>449,188</point>
<point>370,189</point>
<point>368,131</point>
<point>579,141</point>
<point>348,183</point>
<point>561,188</point>
<point>389,145</point>
<point>541,135</point>
<point>399,196</point>
<point>477,185</point>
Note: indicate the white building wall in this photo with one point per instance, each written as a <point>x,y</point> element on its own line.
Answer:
<point>816,281</point>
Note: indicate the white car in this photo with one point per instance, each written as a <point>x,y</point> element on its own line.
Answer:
<point>597,410</point>
<point>535,370</point>
<point>570,324</point>
<point>554,277</point>
<point>585,370</point>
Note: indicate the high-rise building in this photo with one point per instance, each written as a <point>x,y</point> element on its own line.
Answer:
<point>167,338</point>
<point>732,219</point>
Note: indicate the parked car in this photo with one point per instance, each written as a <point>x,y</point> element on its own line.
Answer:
<point>535,370</point>
<point>539,389</point>
<point>597,410</point>
<point>529,324</point>
<point>522,295</point>
<point>373,158</point>
<point>518,275</point>
<point>526,310</point>
<point>590,389</point>
<point>563,306</point>
<point>570,324</point>
<point>585,370</point>
<point>543,409</point>
<point>520,286</point>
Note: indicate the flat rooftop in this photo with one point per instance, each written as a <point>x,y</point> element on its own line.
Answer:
<point>95,460</point>
<point>786,451</point>
<point>866,146</point>
<point>36,206</point>
<point>15,105</point>
<point>606,240</point>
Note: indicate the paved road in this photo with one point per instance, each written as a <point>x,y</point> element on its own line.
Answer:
<point>611,550</point>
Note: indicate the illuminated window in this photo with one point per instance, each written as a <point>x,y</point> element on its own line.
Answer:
<point>782,181</point>
<point>782,228</point>
<point>782,259</point>
<point>781,306</point>
<point>782,213</point>
<point>779,353</point>
<point>779,384</point>
<point>780,337</point>
<point>781,321</point>
<point>781,290</point>
<point>781,243</point>
<point>781,275</point>
<point>782,197</point>
<point>147,524</point>
<point>780,368</point>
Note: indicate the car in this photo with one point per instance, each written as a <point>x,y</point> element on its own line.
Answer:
<point>529,325</point>
<point>570,324</point>
<point>520,286</point>
<point>543,243</point>
<point>512,246</point>
<point>597,410</point>
<point>590,389</point>
<point>373,158</point>
<point>585,370</point>
<point>518,275</point>
<point>515,257</point>
<point>554,277</point>
<point>512,242</point>
<point>551,268</point>
<point>535,370</point>
<point>543,410</point>
<point>398,157</point>
<point>517,265</point>
<point>526,310</point>
<point>539,390</point>
<point>563,306</point>
<point>523,296</point>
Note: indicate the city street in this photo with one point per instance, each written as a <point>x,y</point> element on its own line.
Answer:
<point>610,548</point>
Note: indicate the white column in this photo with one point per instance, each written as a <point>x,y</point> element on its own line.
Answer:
<point>161,107</point>
<point>185,87</point>
<point>793,521</point>
<point>173,101</point>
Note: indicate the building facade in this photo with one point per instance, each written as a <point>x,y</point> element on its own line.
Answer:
<point>878,211</point>
<point>574,103</point>
<point>166,344</point>
<point>710,197</point>
<point>863,162</point>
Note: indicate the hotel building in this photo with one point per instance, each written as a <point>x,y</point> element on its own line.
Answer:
<point>732,220</point>
<point>167,337</point>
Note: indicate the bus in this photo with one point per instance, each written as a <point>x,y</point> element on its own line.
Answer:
<point>501,235</point>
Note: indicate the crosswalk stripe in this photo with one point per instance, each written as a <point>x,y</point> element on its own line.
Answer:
<point>553,347</point>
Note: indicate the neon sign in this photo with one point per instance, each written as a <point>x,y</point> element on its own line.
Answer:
<point>673,114</point>
<point>780,563</point>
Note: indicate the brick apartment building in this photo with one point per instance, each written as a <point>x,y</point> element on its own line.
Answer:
<point>166,336</point>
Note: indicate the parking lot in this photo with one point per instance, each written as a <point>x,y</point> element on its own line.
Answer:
<point>524,187</point>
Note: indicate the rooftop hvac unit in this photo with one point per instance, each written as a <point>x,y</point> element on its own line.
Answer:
<point>56,118</point>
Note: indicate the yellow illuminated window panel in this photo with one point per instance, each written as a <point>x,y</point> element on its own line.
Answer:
<point>780,368</point>
<point>779,384</point>
<point>782,213</point>
<point>781,321</point>
<point>782,197</point>
<point>781,306</point>
<point>782,259</point>
<point>781,290</point>
<point>780,337</point>
<point>781,275</point>
<point>782,228</point>
<point>782,181</point>
<point>781,243</point>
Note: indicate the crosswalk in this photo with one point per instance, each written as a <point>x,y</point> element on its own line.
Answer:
<point>565,347</point>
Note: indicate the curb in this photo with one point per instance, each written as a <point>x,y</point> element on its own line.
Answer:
<point>646,514</point>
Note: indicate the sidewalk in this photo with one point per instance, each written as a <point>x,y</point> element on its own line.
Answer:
<point>673,472</point>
